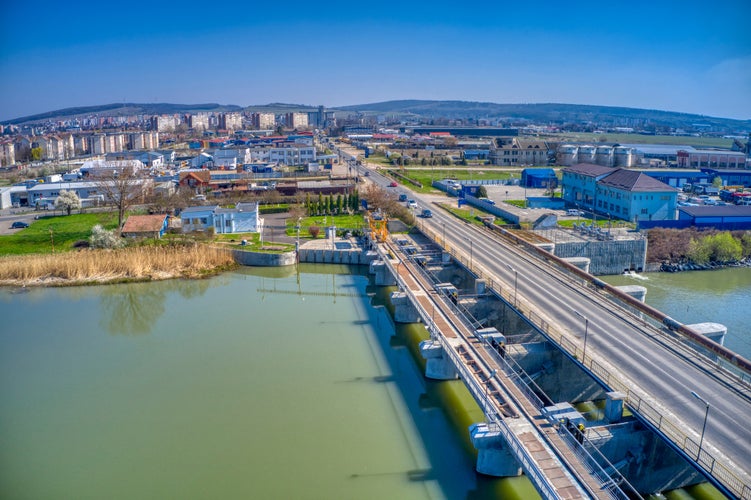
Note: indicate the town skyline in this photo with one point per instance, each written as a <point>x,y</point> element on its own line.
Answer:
<point>692,59</point>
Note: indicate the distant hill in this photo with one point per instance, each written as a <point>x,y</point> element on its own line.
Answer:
<point>544,113</point>
<point>128,108</point>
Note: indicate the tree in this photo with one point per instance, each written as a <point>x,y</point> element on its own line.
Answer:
<point>68,201</point>
<point>717,182</point>
<point>36,154</point>
<point>482,192</point>
<point>123,188</point>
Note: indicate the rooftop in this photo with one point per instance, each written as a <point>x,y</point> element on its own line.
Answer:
<point>631,180</point>
<point>588,169</point>
<point>718,211</point>
<point>144,223</point>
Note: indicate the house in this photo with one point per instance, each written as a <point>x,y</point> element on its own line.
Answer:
<point>145,226</point>
<point>244,218</point>
<point>195,179</point>
<point>621,193</point>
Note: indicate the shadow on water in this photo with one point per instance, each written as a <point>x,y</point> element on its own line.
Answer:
<point>450,453</point>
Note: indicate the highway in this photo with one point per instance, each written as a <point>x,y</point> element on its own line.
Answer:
<point>641,357</point>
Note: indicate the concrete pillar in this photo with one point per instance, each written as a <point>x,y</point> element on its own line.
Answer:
<point>383,276</point>
<point>636,291</point>
<point>614,406</point>
<point>370,256</point>
<point>714,331</point>
<point>445,257</point>
<point>548,247</point>
<point>404,310</point>
<point>580,262</point>
<point>493,456</point>
<point>331,233</point>
<point>480,286</point>
<point>438,366</point>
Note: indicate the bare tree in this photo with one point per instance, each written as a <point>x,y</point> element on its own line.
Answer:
<point>123,188</point>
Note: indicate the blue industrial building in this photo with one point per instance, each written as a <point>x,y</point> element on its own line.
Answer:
<point>730,176</point>
<point>677,178</point>
<point>539,178</point>
<point>727,218</point>
<point>620,193</point>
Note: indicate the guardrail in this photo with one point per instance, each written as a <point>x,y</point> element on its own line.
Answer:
<point>638,403</point>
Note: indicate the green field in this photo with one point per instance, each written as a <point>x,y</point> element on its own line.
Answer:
<point>426,176</point>
<point>60,232</point>
<point>697,142</point>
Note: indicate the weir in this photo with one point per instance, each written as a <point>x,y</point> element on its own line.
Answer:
<point>540,406</point>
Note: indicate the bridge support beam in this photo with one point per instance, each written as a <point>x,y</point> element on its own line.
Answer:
<point>480,286</point>
<point>493,456</point>
<point>404,311</point>
<point>383,276</point>
<point>614,406</point>
<point>636,291</point>
<point>438,366</point>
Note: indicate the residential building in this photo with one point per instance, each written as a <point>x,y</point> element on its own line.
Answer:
<point>7,153</point>
<point>291,154</point>
<point>108,168</point>
<point>199,122</point>
<point>620,193</point>
<point>164,123</point>
<point>145,226</point>
<point>296,120</point>
<point>519,152</point>
<point>230,121</point>
<point>97,144</point>
<point>263,121</point>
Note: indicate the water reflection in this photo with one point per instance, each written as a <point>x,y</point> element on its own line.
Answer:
<point>133,309</point>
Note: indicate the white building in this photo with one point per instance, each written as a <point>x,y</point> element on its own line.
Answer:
<point>263,121</point>
<point>199,122</point>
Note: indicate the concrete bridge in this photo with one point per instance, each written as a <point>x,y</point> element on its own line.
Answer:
<point>643,376</point>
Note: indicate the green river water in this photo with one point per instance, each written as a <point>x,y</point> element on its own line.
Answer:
<point>259,383</point>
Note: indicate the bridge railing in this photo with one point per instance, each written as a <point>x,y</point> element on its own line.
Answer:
<point>642,405</point>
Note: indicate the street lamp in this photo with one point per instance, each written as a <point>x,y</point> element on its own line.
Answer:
<point>516,279</point>
<point>586,329</point>
<point>470,253</point>
<point>487,400</point>
<point>704,427</point>
<point>444,234</point>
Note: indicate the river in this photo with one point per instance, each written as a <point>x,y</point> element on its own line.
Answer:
<point>718,296</point>
<point>258,383</point>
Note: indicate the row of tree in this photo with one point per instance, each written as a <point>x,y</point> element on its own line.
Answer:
<point>332,205</point>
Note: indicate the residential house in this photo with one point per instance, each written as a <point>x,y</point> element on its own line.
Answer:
<point>244,218</point>
<point>145,226</point>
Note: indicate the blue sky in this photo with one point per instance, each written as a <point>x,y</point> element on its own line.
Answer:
<point>688,56</point>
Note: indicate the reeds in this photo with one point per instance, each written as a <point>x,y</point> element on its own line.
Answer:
<point>140,263</point>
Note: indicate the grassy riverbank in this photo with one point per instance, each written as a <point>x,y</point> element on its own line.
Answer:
<point>142,263</point>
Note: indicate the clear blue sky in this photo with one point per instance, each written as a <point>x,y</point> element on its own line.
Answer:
<point>690,56</point>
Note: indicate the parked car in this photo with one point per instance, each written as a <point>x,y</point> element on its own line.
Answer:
<point>19,225</point>
<point>575,212</point>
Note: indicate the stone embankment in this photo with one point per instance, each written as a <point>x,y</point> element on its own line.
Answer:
<point>675,267</point>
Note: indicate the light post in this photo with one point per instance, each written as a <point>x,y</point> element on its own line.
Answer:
<point>471,249</point>
<point>487,400</point>
<point>444,233</point>
<point>704,427</point>
<point>586,329</point>
<point>516,279</point>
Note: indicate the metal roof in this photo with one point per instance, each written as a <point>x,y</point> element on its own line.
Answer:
<point>718,211</point>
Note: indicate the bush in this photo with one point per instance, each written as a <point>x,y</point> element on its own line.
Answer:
<point>314,231</point>
<point>101,238</point>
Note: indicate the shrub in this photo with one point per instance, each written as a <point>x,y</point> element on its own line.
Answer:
<point>101,238</point>
<point>314,231</point>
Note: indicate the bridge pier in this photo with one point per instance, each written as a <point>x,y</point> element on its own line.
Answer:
<point>614,406</point>
<point>635,291</point>
<point>438,366</point>
<point>404,311</point>
<point>383,276</point>
<point>493,456</point>
<point>714,331</point>
<point>580,262</point>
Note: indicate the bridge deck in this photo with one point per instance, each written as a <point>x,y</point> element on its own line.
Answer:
<point>542,441</point>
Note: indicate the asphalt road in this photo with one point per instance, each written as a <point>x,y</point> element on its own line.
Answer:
<point>665,372</point>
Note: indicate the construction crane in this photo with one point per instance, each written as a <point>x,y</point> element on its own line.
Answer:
<point>378,224</point>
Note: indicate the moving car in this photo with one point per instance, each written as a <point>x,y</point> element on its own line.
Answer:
<point>426,213</point>
<point>412,204</point>
<point>19,225</point>
<point>393,184</point>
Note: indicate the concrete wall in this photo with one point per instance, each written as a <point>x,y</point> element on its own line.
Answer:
<point>246,258</point>
<point>335,256</point>
<point>607,257</point>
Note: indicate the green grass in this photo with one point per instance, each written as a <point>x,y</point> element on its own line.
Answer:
<point>467,214</point>
<point>340,221</point>
<point>65,230</point>
<point>425,176</point>
<point>700,142</point>
<point>600,223</point>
